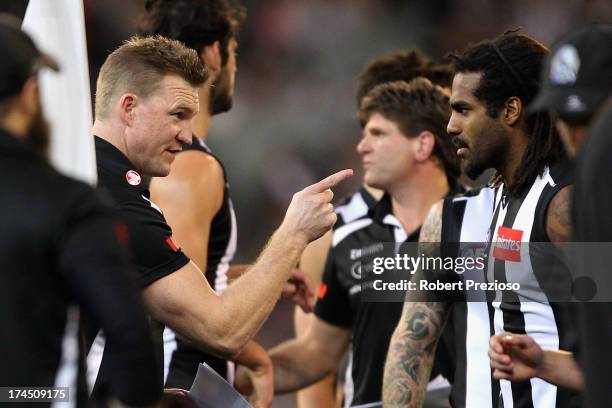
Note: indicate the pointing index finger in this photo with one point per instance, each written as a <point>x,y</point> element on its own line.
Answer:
<point>329,181</point>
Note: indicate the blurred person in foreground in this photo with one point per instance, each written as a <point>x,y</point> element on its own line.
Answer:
<point>407,154</point>
<point>577,81</point>
<point>195,197</point>
<point>61,255</point>
<point>403,65</point>
<point>495,81</point>
<point>147,96</point>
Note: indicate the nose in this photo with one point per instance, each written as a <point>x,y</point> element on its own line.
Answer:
<point>453,128</point>
<point>364,145</point>
<point>185,135</point>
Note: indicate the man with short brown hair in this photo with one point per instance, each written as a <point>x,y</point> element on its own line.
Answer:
<point>409,161</point>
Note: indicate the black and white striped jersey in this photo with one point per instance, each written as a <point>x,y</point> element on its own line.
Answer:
<point>517,220</point>
<point>466,220</point>
<point>502,226</point>
<point>181,360</point>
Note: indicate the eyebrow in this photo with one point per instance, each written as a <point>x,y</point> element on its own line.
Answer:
<point>458,105</point>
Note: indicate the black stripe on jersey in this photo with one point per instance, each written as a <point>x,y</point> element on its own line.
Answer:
<point>496,389</point>
<point>452,219</point>
<point>514,320</point>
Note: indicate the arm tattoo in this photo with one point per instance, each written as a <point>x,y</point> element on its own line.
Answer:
<point>558,216</point>
<point>411,352</point>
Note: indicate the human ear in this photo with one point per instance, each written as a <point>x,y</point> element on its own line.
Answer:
<point>426,142</point>
<point>512,110</point>
<point>211,56</point>
<point>126,105</point>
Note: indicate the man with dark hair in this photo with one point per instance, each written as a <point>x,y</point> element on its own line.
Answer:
<point>495,81</point>
<point>206,227</point>
<point>577,80</point>
<point>403,65</point>
<point>60,255</point>
<point>407,154</point>
<point>141,128</point>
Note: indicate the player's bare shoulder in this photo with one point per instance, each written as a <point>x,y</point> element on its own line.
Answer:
<point>431,231</point>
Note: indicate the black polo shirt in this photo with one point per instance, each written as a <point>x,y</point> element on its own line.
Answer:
<point>59,250</point>
<point>152,251</point>
<point>354,245</point>
<point>154,254</point>
<point>340,303</point>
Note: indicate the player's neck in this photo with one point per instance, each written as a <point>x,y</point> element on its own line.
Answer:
<point>202,120</point>
<point>111,131</point>
<point>412,199</point>
<point>509,167</point>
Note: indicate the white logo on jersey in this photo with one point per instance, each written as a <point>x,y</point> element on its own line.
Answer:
<point>369,250</point>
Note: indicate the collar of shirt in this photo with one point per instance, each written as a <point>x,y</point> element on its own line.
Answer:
<point>117,170</point>
<point>382,212</point>
<point>381,209</point>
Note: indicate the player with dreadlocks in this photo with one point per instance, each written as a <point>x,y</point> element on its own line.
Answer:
<point>495,81</point>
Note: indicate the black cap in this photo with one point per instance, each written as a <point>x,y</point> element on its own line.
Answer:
<point>577,76</point>
<point>19,57</point>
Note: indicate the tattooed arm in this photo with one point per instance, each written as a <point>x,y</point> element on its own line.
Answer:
<point>412,349</point>
<point>558,216</point>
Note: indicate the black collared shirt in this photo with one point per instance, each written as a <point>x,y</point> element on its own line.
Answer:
<point>340,302</point>
<point>354,245</point>
<point>58,249</point>
<point>154,254</point>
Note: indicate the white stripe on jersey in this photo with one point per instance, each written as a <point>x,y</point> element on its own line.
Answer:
<point>348,229</point>
<point>349,386</point>
<point>354,209</point>
<point>68,369</point>
<point>230,251</point>
<point>474,228</point>
<point>169,347</point>
<point>94,360</point>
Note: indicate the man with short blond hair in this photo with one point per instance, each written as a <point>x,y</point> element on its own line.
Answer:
<point>138,136</point>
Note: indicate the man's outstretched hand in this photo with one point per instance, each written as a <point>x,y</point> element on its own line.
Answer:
<point>311,214</point>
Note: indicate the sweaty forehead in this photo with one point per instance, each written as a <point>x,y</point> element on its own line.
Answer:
<point>464,86</point>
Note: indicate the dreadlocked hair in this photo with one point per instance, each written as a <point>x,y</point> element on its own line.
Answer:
<point>510,66</point>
